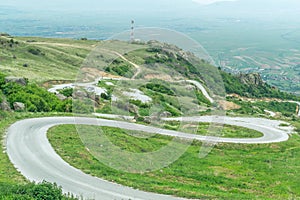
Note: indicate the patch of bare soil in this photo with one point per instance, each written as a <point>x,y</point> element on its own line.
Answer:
<point>50,83</point>
<point>226,105</point>
<point>93,73</point>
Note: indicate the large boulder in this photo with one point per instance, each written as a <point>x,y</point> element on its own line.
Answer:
<point>18,106</point>
<point>18,80</point>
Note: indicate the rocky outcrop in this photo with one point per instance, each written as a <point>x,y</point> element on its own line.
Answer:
<point>18,106</point>
<point>18,80</point>
<point>251,79</point>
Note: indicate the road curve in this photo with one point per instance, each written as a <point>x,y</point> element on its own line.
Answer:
<point>202,89</point>
<point>271,129</point>
<point>31,153</point>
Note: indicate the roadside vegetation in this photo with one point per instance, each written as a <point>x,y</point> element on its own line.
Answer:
<point>31,191</point>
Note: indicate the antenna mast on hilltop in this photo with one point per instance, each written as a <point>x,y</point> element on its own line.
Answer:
<point>132,31</point>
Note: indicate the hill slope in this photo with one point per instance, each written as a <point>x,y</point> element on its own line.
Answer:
<point>44,59</point>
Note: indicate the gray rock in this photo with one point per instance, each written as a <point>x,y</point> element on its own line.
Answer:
<point>61,97</point>
<point>133,108</point>
<point>18,106</point>
<point>18,80</point>
<point>151,119</point>
<point>80,93</point>
<point>147,120</point>
<point>165,114</point>
<point>5,106</point>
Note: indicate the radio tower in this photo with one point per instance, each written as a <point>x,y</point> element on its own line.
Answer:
<point>132,31</point>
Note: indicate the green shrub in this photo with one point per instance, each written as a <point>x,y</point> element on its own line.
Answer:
<point>157,87</point>
<point>68,92</point>
<point>138,103</point>
<point>201,98</point>
<point>41,191</point>
<point>83,107</point>
<point>35,51</point>
<point>35,98</point>
<point>121,68</point>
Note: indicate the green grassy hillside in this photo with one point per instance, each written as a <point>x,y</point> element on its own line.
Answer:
<point>42,59</point>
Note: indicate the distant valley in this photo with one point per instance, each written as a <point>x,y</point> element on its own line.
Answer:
<point>237,43</point>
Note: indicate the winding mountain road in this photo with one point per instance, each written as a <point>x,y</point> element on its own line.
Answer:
<point>31,153</point>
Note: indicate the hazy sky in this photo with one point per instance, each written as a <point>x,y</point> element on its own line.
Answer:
<point>150,5</point>
<point>154,10</point>
<point>207,2</point>
<point>138,3</point>
<point>155,5</point>
<point>95,4</point>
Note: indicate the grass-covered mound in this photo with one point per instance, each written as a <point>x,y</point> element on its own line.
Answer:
<point>230,171</point>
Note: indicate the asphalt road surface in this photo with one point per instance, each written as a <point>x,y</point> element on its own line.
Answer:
<point>31,153</point>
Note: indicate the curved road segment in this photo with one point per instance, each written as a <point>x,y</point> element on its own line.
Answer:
<point>31,153</point>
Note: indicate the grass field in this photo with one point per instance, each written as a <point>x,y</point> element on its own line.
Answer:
<point>227,131</point>
<point>42,59</point>
<point>230,171</point>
